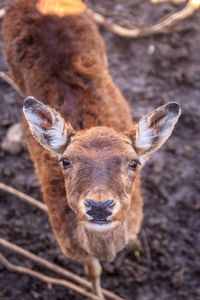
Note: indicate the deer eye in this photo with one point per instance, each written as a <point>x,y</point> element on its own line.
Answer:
<point>65,162</point>
<point>133,164</point>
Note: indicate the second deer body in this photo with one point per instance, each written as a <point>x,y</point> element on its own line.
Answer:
<point>86,151</point>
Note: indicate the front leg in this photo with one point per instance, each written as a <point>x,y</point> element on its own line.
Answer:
<point>93,270</point>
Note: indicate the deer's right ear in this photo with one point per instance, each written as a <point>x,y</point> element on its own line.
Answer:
<point>46,125</point>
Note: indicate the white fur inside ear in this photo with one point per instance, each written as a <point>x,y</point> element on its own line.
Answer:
<point>146,134</point>
<point>54,136</point>
<point>57,133</point>
<point>155,128</point>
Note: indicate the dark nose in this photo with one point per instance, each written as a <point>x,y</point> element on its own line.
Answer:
<point>99,210</point>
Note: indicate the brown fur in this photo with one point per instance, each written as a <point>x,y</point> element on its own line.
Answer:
<point>62,61</point>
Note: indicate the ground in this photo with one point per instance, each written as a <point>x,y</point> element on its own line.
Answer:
<point>150,72</point>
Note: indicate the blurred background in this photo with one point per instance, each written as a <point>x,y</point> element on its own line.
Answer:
<point>150,72</point>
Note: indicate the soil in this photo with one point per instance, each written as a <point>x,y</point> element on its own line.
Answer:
<point>150,72</point>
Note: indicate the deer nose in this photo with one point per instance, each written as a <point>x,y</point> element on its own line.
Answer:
<point>99,210</point>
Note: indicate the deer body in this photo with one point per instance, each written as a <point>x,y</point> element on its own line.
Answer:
<point>94,200</point>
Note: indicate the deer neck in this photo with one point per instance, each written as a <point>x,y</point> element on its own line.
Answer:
<point>104,245</point>
<point>60,8</point>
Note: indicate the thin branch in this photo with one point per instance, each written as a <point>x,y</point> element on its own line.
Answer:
<point>161,1</point>
<point>146,246</point>
<point>23,196</point>
<point>7,78</point>
<point>43,262</point>
<point>162,26</point>
<point>47,279</point>
<point>53,267</point>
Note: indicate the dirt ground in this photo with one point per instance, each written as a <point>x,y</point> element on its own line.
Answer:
<point>149,72</point>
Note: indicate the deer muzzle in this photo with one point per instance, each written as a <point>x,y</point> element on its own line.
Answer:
<point>99,208</point>
<point>99,211</point>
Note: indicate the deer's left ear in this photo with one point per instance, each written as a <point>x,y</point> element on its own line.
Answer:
<point>154,129</point>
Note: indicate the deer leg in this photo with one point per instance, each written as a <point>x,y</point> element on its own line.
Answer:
<point>93,270</point>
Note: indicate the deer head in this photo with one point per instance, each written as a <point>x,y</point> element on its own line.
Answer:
<point>99,164</point>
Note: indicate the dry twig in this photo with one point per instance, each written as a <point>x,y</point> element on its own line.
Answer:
<point>47,279</point>
<point>53,267</point>
<point>146,246</point>
<point>7,78</point>
<point>23,196</point>
<point>174,1</point>
<point>43,262</point>
<point>162,26</point>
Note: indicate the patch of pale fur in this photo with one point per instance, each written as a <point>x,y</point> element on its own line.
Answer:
<point>145,135</point>
<point>57,133</point>
<point>101,227</point>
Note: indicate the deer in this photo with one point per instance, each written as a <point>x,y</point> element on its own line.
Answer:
<point>87,151</point>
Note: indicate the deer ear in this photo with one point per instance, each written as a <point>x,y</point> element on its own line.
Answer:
<point>46,125</point>
<point>154,129</point>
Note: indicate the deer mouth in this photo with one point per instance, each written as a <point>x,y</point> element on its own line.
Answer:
<point>101,225</point>
<point>95,221</point>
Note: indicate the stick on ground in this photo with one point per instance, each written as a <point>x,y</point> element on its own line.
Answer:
<point>7,78</point>
<point>47,279</point>
<point>23,196</point>
<point>53,267</point>
<point>162,26</point>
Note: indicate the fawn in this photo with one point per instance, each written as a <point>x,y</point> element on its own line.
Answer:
<point>86,150</point>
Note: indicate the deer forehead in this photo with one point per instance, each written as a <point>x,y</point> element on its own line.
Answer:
<point>102,143</point>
